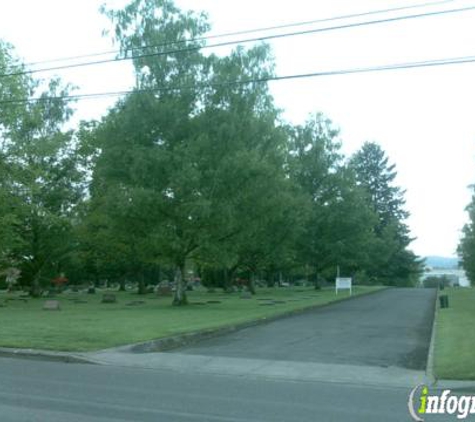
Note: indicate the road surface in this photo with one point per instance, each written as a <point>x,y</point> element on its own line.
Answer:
<point>390,328</point>
<point>37,391</point>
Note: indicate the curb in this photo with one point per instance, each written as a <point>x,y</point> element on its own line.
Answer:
<point>455,385</point>
<point>44,355</point>
<point>430,357</point>
<point>173,342</point>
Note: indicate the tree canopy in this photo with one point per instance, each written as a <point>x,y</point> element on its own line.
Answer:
<point>194,171</point>
<point>466,247</point>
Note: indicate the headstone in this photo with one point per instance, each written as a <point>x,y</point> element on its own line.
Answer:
<point>109,298</point>
<point>135,303</point>
<point>164,291</point>
<point>246,295</point>
<point>51,305</point>
<point>91,290</point>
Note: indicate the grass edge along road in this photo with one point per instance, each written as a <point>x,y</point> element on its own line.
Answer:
<point>455,336</point>
<point>85,324</point>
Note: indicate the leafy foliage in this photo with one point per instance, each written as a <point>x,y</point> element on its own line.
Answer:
<point>466,247</point>
<point>194,170</point>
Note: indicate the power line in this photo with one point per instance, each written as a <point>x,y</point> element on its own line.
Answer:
<point>396,66</point>
<point>248,40</point>
<point>249,31</point>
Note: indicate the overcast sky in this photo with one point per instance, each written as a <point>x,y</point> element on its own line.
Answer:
<point>423,118</point>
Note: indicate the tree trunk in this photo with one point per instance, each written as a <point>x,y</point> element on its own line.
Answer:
<point>35,290</point>
<point>229,278</point>
<point>252,284</point>
<point>122,284</point>
<point>227,281</point>
<point>317,280</point>
<point>180,299</point>
<point>142,288</point>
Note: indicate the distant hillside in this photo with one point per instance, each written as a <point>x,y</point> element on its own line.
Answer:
<point>441,262</point>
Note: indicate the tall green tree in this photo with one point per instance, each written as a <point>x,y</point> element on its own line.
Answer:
<point>188,158</point>
<point>466,247</point>
<point>39,173</point>
<point>392,262</point>
<point>11,88</point>
<point>338,230</point>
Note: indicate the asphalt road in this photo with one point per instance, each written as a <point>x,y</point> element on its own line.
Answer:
<point>37,391</point>
<point>390,328</point>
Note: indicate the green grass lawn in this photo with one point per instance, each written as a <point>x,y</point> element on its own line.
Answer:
<point>455,336</point>
<point>93,325</point>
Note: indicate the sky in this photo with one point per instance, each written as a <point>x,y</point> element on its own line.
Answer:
<point>422,118</point>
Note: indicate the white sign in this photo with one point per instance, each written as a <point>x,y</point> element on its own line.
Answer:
<point>342,283</point>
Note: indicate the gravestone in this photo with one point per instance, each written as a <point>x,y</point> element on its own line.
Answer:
<point>246,295</point>
<point>109,298</point>
<point>51,305</point>
<point>164,291</point>
<point>135,303</point>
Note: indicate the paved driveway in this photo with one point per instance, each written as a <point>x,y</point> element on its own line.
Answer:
<point>390,328</point>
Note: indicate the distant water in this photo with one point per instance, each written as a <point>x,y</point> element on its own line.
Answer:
<point>462,277</point>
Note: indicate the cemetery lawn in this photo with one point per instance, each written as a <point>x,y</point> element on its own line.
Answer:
<point>86,324</point>
<point>455,336</point>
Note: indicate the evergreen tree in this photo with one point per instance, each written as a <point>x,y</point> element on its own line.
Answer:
<point>392,263</point>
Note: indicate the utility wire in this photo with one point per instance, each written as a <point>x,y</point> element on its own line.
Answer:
<point>396,66</point>
<point>264,38</point>
<point>246,32</point>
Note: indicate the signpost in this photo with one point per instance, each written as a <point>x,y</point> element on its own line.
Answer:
<point>343,283</point>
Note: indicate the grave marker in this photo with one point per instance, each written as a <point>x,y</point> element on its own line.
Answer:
<point>51,305</point>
